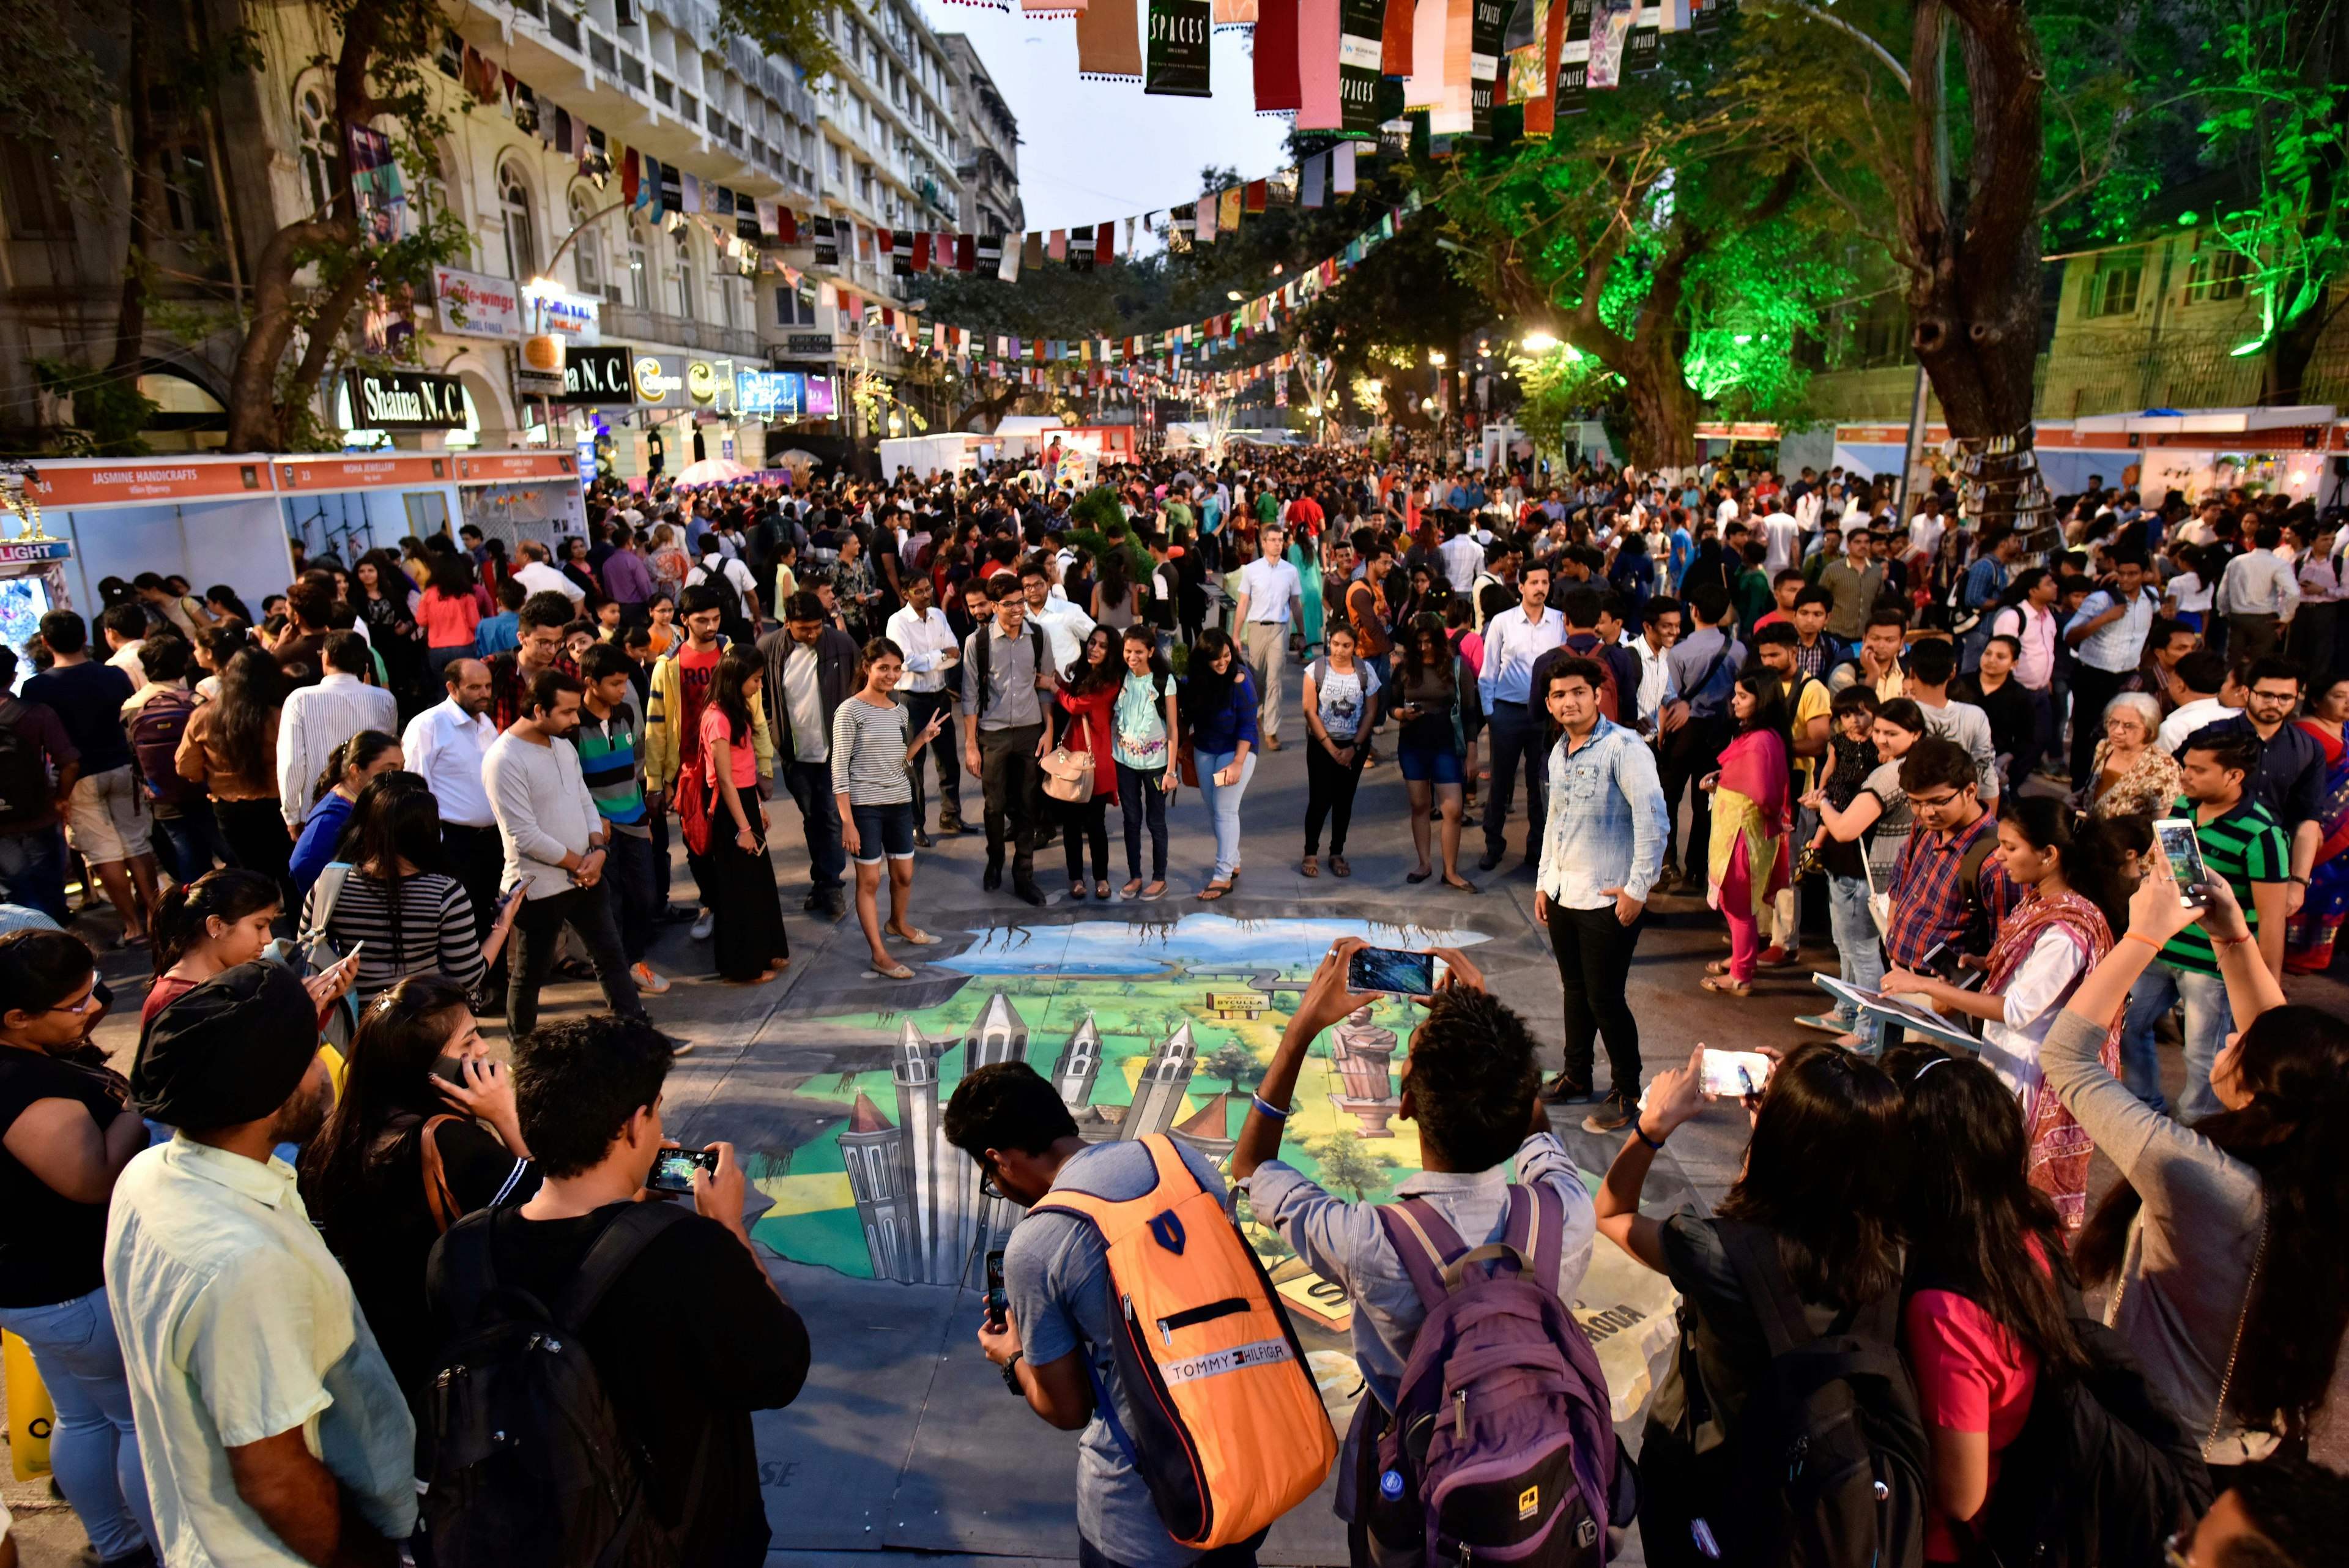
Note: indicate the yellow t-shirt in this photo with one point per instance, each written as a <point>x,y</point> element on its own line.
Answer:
<point>1815,702</point>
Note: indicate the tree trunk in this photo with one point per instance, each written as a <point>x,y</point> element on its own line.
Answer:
<point>1974,280</point>
<point>256,421</point>
<point>145,200</point>
<point>990,408</point>
<point>1663,414</point>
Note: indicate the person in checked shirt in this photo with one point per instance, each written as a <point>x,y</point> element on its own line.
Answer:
<point>1601,851</point>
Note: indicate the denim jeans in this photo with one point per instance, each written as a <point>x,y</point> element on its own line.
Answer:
<point>33,870</point>
<point>93,1449</point>
<point>1860,957</point>
<point>635,891</point>
<point>810,787</point>
<point>538,935</point>
<point>1223,803</point>
<point>2208,1020</point>
<point>192,842</point>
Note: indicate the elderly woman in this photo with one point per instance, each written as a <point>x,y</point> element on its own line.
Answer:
<point>2130,776</point>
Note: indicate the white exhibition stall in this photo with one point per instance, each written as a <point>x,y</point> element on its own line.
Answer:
<point>208,519</point>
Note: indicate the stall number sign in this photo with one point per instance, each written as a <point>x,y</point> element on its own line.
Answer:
<point>407,399</point>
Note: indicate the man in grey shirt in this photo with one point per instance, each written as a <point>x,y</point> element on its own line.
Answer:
<point>1932,663</point>
<point>554,839</point>
<point>1008,669</point>
<point>1055,1347</point>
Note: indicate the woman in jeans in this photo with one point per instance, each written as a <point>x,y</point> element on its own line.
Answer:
<point>1880,808</point>
<point>1433,690</point>
<point>1341,694</point>
<point>874,793</point>
<point>1147,725</point>
<point>1088,696</point>
<point>1219,705</point>
<point>65,1133</point>
<point>230,747</point>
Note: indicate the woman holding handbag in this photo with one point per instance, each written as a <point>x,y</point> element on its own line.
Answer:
<point>1082,773</point>
<point>1147,727</point>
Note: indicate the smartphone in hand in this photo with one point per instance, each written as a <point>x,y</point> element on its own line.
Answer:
<point>673,1171</point>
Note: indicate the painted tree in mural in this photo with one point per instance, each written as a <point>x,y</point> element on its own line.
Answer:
<point>1346,1164</point>
<point>1235,1064</point>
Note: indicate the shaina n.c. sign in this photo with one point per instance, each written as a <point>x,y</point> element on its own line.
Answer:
<point>406,401</point>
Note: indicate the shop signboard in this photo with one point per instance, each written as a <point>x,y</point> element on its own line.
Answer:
<point>473,305</point>
<point>771,394</point>
<point>810,345</point>
<point>599,374</point>
<point>659,381</point>
<point>821,401</point>
<point>551,308</point>
<point>406,401</point>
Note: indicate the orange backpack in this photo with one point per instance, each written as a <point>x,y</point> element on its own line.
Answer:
<point>1231,1431</point>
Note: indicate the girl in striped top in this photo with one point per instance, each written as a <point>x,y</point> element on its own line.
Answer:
<point>413,915</point>
<point>875,795</point>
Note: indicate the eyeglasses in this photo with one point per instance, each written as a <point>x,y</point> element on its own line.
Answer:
<point>987,1188</point>
<point>1934,805</point>
<point>89,1000</point>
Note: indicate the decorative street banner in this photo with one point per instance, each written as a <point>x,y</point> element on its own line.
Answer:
<point>1610,29</point>
<point>827,243</point>
<point>1360,25</point>
<point>1178,48</point>
<point>1573,94</point>
<point>1490,24</point>
<point>1644,51</point>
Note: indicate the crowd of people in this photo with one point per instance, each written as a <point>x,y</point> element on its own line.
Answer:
<point>420,786</point>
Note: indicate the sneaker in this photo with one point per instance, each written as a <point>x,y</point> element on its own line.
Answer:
<point>1825,1022</point>
<point>832,909</point>
<point>703,924</point>
<point>1491,858</point>
<point>649,980</point>
<point>1564,1091</point>
<point>1614,1114</point>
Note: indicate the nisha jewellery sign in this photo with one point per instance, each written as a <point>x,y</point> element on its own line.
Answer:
<point>407,399</point>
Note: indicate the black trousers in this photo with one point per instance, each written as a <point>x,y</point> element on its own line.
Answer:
<point>1516,732</point>
<point>920,707</point>
<point>255,831</point>
<point>1688,754</point>
<point>2092,690</point>
<point>477,859</point>
<point>1329,787</point>
<point>1084,822</point>
<point>1593,950</point>
<point>1012,786</point>
<point>538,934</point>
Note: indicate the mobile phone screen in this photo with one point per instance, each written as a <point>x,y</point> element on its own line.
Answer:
<point>673,1171</point>
<point>998,1302</point>
<point>2183,848</point>
<point>1392,970</point>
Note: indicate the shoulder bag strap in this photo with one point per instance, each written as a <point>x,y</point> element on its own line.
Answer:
<point>1423,1242</point>
<point>437,1198</point>
<point>327,891</point>
<point>1970,870</point>
<point>1754,1253</point>
<point>468,1269</point>
<point>627,1234</point>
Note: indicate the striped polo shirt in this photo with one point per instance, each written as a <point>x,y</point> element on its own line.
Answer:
<point>2244,845</point>
<point>611,761</point>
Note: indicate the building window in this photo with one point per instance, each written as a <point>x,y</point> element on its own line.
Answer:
<point>632,71</point>
<point>565,28</point>
<point>640,283</point>
<point>688,108</point>
<point>2217,274</point>
<point>321,168</point>
<point>522,238</point>
<point>187,188</point>
<point>664,91</point>
<point>2111,288</point>
<point>685,280</point>
<point>726,300</point>
<point>36,207</point>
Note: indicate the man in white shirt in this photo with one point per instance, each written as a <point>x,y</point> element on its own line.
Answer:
<point>316,721</point>
<point>537,577</point>
<point>447,745</point>
<point>2212,696</point>
<point>1463,558</point>
<point>1926,528</point>
<point>2258,595</point>
<point>1518,730</point>
<point>932,664</point>
<point>554,839</point>
<point>1271,608</point>
<point>1781,539</point>
<point>1660,628</point>
<point>1065,626</point>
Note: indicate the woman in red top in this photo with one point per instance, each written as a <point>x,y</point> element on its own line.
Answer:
<point>451,609</point>
<point>1089,697</point>
<point>1985,1314</point>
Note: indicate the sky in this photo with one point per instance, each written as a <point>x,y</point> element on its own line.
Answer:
<point>1096,150</point>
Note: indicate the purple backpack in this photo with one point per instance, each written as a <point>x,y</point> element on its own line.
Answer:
<point>1502,1443</point>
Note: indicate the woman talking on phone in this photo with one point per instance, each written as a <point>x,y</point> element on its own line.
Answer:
<point>423,1133</point>
<point>875,791</point>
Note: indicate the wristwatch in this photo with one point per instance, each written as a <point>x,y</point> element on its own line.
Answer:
<point>1009,1368</point>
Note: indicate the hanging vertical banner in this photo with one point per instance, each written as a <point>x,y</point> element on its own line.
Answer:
<point>1610,31</point>
<point>1341,169</point>
<point>1573,94</point>
<point>1318,33</point>
<point>1204,232</point>
<point>1177,66</point>
<point>1109,49</point>
<point>827,243</point>
<point>1316,170</point>
<point>1227,210</point>
<point>1394,41</point>
<point>1491,24</point>
<point>1453,112</point>
<point>1704,16</point>
<point>1644,50</point>
<point>1361,26</point>
<point>1277,90</point>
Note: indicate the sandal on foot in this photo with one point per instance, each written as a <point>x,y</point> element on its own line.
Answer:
<point>1213,891</point>
<point>1462,885</point>
<point>1416,878</point>
<point>1155,891</point>
<point>1131,888</point>
<point>892,970</point>
<point>1721,985</point>
<point>1308,867</point>
<point>1338,867</point>
<point>1718,966</point>
<point>1101,889</point>
<point>1077,891</point>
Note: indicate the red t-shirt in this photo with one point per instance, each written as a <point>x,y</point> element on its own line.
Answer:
<point>1971,1377</point>
<point>695,672</point>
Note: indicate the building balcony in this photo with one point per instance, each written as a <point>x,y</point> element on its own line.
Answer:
<point>626,324</point>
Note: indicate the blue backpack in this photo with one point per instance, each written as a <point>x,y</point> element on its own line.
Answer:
<point>1502,1446</point>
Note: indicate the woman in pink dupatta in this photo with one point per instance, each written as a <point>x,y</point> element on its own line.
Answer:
<point>2044,948</point>
<point>1750,803</point>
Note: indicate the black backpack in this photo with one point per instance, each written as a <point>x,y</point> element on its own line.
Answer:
<point>23,776</point>
<point>2101,1473</point>
<point>1831,1443</point>
<point>526,1463</point>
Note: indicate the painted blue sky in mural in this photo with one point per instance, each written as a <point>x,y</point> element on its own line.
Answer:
<point>1196,943</point>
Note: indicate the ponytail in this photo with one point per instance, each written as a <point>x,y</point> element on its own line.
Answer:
<point>229,893</point>
<point>358,751</point>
